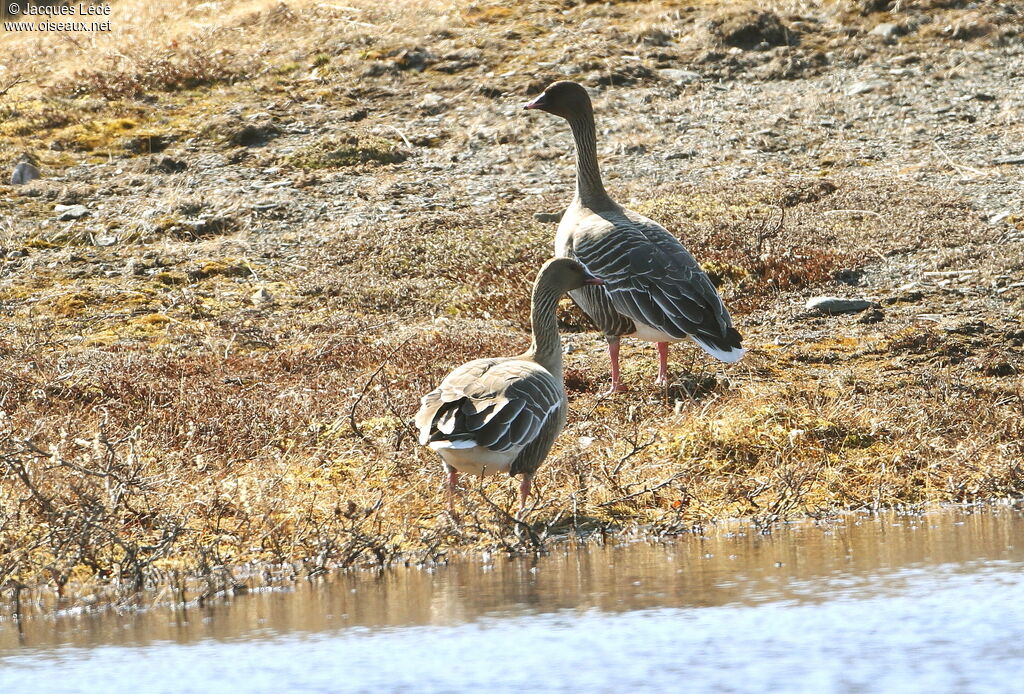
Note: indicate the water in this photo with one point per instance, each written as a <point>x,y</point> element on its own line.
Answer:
<point>931,603</point>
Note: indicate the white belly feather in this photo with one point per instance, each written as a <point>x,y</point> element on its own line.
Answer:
<point>646,332</point>
<point>467,457</point>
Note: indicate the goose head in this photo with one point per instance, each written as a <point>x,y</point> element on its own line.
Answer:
<point>564,99</point>
<point>565,274</point>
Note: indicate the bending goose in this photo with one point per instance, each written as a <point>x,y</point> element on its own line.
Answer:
<point>502,414</point>
<point>654,289</point>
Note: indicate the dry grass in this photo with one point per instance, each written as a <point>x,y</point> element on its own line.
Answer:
<point>158,429</point>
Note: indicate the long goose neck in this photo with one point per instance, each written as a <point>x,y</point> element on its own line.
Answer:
<point>546,348</point>
<point>589,188</point>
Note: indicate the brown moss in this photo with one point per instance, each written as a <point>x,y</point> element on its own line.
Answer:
<point>170,279</point>
<point>223,268</point>
<point>128,78</point>
<point>152,320</point>
<point>72,304</point>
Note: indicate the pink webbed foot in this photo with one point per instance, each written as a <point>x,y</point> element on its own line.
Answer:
<point>615,388</point>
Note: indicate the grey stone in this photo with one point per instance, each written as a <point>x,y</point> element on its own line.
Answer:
<point>24,172</point>
<point>680,154</point>
<point>1012,159</point>
<point>432,104</point>
<point>873,316</point>
<point>679,76</point>
<point>548,217</point>
<point>906,295</point>
<point>887,30</point>
<point>65,213</point>
<point>262,296</point>
<point>166,164</point>
<point>832,305</point>
<point>103,240</point>
<point>865,86</point>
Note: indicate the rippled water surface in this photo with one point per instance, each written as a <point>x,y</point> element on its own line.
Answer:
<point>931,603</point>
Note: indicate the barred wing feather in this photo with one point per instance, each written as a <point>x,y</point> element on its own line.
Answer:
<point>493,403</point>
<point>651,278</point>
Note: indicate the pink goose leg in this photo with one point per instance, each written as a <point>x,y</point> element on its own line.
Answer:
<point>662,364</point>
<point>524,491</point>
<point>453,481</point>
<point>613,356</point>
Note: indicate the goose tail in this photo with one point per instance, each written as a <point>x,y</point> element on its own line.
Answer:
<point>725,349</point>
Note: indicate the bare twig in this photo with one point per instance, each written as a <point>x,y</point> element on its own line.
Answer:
<point>766,233</point>
<point>366,387</point>
<point>535,540</point>
<point>871,213</point>
<point>959,167</point>
<point>636,448</point>
<point>401,135</point>
<point>646,490</point>
<point>11,85</point>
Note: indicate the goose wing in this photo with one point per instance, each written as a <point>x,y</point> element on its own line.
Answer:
<point>651,278</point>
<point>498,404</point>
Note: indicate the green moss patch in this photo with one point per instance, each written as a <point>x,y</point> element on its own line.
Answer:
<point>350,150</point>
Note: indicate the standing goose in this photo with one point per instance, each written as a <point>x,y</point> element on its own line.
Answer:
<point>653,288</point>
<point>502,414</point>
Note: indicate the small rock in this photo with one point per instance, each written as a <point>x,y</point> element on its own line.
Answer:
<point>1012,159</point>
<point>907,296</point>
<point>166,164</point>
<point>146,144</point>
<point>432,104</point>
<point>999,217</point>
<point>261,297</point>
<point>679,76</point>
<point>548,217</point>
<point>104,240</point>
<point>831,305</point>
<point>747,29</point>
<point>252,134</point>
<point>887,30</point>
<point>865,86</point>
<point>872,316</point>
<point>66,213</point>
<point>414,59</point>
<point>680,154</point>
<point>24,171</point>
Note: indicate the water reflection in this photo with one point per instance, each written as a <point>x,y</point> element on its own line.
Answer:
<point>855,557</point>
